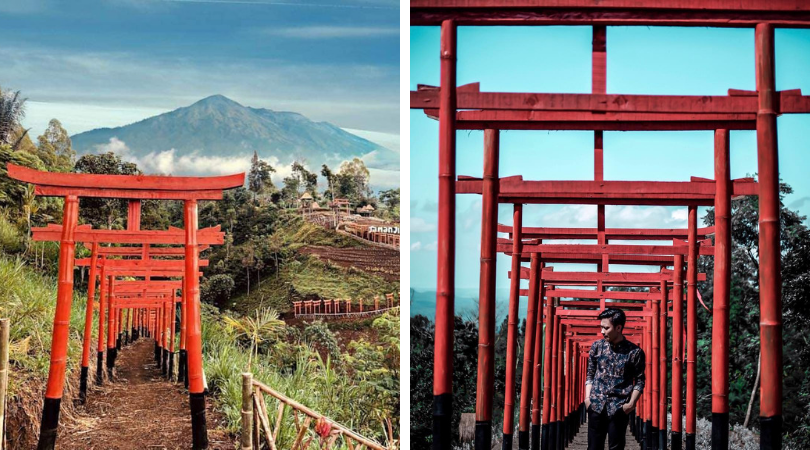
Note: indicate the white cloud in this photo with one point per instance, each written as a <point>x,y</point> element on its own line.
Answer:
<point>432,246</point>
<point>331,32</point>
<point>416,246</point>
<point>420,225</point>
<point>168,162</point>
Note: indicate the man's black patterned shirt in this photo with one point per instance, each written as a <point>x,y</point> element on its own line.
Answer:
<point>614,371</point>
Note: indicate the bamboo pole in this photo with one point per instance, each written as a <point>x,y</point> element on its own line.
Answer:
<point>4,341</point>
<point>247,411</point>
<point>265,422</point>
<point>314,415</point>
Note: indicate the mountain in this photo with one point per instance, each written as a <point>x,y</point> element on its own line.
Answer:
<point>217,126</point>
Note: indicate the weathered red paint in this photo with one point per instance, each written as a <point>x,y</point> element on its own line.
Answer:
<point>486,299</point>
<point>691,324</point>
<point>512,324</point>
<point>770,277</point>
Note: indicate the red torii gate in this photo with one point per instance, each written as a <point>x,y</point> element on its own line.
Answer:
<point>655,429</point>
<point>133,234</point>
<point>600,111</point>
<point>71,186</point>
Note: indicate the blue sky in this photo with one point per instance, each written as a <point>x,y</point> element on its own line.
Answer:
<point>640,60</point>
<point>112,62</point>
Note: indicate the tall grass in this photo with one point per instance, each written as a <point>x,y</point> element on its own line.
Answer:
<point>29,301</point>
<point>295,370</point>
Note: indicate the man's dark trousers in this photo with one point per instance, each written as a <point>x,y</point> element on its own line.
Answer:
<point>601,426</point>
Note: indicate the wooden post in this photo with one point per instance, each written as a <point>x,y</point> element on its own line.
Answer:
<point>247,411</point>
<point>4,340</point>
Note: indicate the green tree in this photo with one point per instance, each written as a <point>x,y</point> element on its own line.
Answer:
<point>55,143</point>
<point>12,112</point>
<point>259,177</point>
<point>352,181</point>
<point>104,213</point>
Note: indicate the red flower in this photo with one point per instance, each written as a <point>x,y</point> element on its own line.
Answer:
<point>323,427</point>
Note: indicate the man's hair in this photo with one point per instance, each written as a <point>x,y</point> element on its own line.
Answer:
<point>616,316</point>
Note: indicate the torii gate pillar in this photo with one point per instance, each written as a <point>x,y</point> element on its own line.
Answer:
<point>61,327</point>
<point>196,382</point>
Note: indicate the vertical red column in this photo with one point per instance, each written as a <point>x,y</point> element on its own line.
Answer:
<point>648,398</point>
<point>102,309</point>
<point>61,326</point>
<point>691,331</point>
<point>526,381</point>
<point>486,292</point>
<point>445,282</point>
<point>548,363</point>
<point>770,277</point>
<point>511,329</point>
<point>662,370</point>
<point>182,369</point>
<point>677,354</point>
<point>537,386</point>
<point>722,291</point>
<point>88,323</point>
<point>654,375</point>
<point>112,315</point>
<point>196,385</point>
<point>558,382</point>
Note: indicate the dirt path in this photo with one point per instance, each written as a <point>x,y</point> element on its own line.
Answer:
<point>139,410</point>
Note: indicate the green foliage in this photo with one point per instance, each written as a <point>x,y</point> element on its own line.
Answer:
<point>28,303</point>
<point>217,290</point>
<point>259,181</point>
<point>317,334</point>
<point>12,111</point>
<point>326,387</point>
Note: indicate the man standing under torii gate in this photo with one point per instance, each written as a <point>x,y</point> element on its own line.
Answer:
<point>614,382</point>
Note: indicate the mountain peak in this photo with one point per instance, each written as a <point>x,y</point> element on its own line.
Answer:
<point>217,100</point>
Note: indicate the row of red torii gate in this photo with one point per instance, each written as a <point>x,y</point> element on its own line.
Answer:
<point>138,272</point>
<point>561,323</point>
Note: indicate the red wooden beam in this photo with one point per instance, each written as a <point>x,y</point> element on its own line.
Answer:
<point>124,182</point>
<point>610,249</point>
<point>605,277</point>
<point>84,233</point>
<point>709,13</point>
<point>625,234</point>
<point>138,251</point>
<point>666,107</point>
<point>138,265</point>
<point>696,192</point>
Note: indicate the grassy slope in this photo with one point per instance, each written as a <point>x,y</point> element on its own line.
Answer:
<point>306,277</point>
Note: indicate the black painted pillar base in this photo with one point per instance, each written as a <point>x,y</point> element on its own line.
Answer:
<point>639,429</point>
<point>632,423</point>
<point>181,366</point>
<point>118,342</point>
<point>770,437</point>
<point>523,440</point>
<point>535,444</point>
<point>171,366</point>
<point>677,440</point>
<point>134,334</point>
<point>645,441</point>
<point>112,353</point>
<point>100,369</point>
<point>483,435</point>
<point>199,431</point>
<point>157,354</point>
<point>442,412</point>
<point>49,424</point>
<point>83,386</point>
<point>506,443</point>
<point>719,431</point>
<point>560,435</point>
<point>552,436</point>
<point>690,441</point>
<point>544,436</point>
<point>654,438</point>
<point>165,365</point>
<point>662,439</point>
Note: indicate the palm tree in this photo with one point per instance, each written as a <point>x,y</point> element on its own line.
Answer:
<point>264,326</point>
<point>12,111</point>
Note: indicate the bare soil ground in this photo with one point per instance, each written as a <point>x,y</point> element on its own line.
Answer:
<point>139,410</point>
